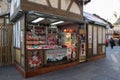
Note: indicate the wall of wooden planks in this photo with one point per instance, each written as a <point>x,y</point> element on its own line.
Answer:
<point>6,32</point>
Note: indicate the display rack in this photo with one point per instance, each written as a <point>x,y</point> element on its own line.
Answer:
<point>42,38</point>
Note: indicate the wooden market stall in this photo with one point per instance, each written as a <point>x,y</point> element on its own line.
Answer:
<point>96,32</point>
<point>6,30</point>
<point>48,35</point>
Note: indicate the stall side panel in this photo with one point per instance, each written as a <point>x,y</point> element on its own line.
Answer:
<point>104,46</point>
<point>19,49</point>
<point>17,42</point>
<point>82,33</point>
<point>89,41</point>
<point>22,40</point>
<point>95,40</point>
<point>100,34</point>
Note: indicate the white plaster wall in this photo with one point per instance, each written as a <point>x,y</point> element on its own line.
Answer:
<point>75,8</point>
<point>43,2</point>
<point>4,7</point>
<point>65,4</point>
<point>54,3</point>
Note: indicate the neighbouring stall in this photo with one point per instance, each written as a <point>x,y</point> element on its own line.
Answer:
<point>48,36</point>
<point>6,30</point>
<point>96,32</point>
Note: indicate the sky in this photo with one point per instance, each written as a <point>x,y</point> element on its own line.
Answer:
<point>104,8</point>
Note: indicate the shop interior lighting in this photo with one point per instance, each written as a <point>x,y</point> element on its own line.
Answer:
<point>57,22</point>
<point>38,20</point>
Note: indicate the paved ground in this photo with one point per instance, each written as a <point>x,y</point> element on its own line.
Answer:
<point>104,69</point>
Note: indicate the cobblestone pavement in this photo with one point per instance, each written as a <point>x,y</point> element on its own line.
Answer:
<point>103,69</point>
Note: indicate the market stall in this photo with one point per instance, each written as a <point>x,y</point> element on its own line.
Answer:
<point>48,36</point>
<point>96,33</point>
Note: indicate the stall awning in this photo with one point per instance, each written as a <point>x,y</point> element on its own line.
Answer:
<point>93,19</point>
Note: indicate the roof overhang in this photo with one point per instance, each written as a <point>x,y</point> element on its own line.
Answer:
<point>73,11</point>
<point>90,18</point>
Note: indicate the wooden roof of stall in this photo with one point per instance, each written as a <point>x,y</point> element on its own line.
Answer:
<point>95,19</point>
<point>69,9</point>
<point>90,18</point>
<point>110,24</point>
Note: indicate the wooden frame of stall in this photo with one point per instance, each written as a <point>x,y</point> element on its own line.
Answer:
<point>6,30</point>
<point>95,33</point>
<point>96,36</point>
<point>46,7</point>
